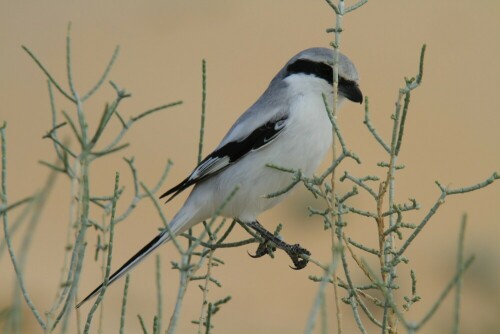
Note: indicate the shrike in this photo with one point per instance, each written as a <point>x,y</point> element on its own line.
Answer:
<point>288,126</point>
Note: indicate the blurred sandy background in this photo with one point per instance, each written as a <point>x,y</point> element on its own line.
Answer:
<point>452,135</point>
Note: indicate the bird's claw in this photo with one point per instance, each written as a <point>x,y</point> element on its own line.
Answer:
<point>272,241</point>
<point>263,249</point>
<point>295,253</point>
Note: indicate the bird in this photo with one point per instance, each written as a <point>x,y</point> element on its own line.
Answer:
<point>287,126</point>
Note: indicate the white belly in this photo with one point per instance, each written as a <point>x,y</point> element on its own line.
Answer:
<point>302,145</point>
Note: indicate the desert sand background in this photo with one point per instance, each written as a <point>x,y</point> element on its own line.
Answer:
<point>452,135</point>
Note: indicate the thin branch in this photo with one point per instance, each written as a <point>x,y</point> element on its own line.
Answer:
<point>353,296</point>
<point>355,6</point>
<point>443,294</point>
<point>495,176</point>
<point>109,110</point>
<point>124,304</point>
<point>370,127</point>
<point>205,289</point>
<point>127,125</point>
<point>73,127</point>
<point>143,325</point>
<point>150,111</point>
<point>402,123</point>
<point>334,6</point>
<point>159,294</point>
<point>47,73</point>
<point>14,205</point>
<point>110,150</point>
<point>181,291</point>
<point>438,203</point>
<point>110,255</point>
<point>103,76</point>
<point>420,75</point>
<point>203,108</point>
<point>458,289</point>
<point>360,183</point>
<point>54,117</point>
<point>61,145</point>
<point>320,296</point>
<point>10,249</point>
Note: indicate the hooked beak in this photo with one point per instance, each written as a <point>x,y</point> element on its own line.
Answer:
<point>352,92</point>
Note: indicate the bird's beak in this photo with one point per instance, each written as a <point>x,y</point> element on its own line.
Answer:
<point>352,92</point>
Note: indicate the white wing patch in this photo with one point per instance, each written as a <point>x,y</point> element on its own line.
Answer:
<point>211,166</point>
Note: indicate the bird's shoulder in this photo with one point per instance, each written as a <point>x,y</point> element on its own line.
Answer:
<point>270,107</point>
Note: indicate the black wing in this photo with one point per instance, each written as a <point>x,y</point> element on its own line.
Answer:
<point>228,154</point>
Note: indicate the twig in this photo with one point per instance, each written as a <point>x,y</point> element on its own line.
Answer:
<point>10,249</point>
<point>159,294</point>
<point>460,264</point>
<point>110,255</point>
<point>15,204</point>
<point>184,279</point>
<point>443,294</point>
<point>318,300</point>
<point>103,76</point>
<point>124,304</point>
<point>47,73</point>
<point>143,325</point>
<point>438,203</point>
<point>205,296</point>
<point>370,127</point>
<point>355,6</point>
<point>203,108</point>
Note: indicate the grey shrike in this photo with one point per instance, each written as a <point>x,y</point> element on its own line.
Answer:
<point>288,126</point>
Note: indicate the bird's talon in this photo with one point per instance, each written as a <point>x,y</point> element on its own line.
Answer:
<point>295,252</point>
<point>299,263</point>
<point>262,250</point>
<point>253,256</point>
<point>273,242</point>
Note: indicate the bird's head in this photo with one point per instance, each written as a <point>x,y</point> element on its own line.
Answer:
<point>317,64</point>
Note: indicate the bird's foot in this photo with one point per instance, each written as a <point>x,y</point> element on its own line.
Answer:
<point>271,242</point>
<point>265,248</point>
<point>296,253</point>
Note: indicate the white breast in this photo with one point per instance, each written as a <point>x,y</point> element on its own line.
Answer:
<point>302,145</point>
<point>308,135</point>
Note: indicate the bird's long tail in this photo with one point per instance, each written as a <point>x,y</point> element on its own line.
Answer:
<point>184,219</point>
<point>138,257</point>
